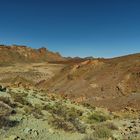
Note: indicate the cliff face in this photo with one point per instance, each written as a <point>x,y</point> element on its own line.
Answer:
<point>12,54</point>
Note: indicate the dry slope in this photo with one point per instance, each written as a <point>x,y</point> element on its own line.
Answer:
<point>112,83</point>
<point>13,54</point>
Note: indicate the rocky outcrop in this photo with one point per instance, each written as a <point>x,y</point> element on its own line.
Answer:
<point>12,54</point>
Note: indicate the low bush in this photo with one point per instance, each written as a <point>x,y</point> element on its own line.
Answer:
<point>97,117</point>
<point>8,101</point>
<point>66,118</point>
<point>5,122</point>
<point>20,98</point>
<point>60,123</point>
<point>37,113</point>
<point>80,127</point>
<point>69,114</point>
<point>5,110</point>
<point>72,114</point>
<point>102,132</point>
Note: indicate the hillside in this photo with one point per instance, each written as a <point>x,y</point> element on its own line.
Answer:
<point>112,83</point>
<point>43,95</point>
<point>109,83</point>
<point>15,54</point>
<point>35,115</point>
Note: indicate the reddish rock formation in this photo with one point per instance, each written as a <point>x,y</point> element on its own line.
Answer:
<point>12,54</point>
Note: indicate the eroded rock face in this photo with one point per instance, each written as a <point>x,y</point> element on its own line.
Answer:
<point>42,51</point>
<point>16,53</point>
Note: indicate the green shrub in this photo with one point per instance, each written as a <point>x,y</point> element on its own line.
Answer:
<point>97,117</point>
<point>102,132</point>
<point>69,114</point>
<point>89,106</point>
<point>60,123</point>
<point>48,107</point>
<point>57,109</point>
<point>8,101</point>
<point>65,117</point>
<point>20,98</point>
<point>37,113</point>
<point>72,114</point>
<point>5,110</point>
<point>5,122</point>
<point>81,128</point>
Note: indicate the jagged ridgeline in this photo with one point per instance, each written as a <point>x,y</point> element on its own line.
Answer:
<point>16,53</point>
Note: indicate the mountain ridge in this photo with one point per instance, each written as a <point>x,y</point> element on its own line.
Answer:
<point>16,53</point>
<point>112,83</point>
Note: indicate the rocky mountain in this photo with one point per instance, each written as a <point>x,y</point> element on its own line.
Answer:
<point>12,54</point>
<point>43,95</point>
<point>110,83</point>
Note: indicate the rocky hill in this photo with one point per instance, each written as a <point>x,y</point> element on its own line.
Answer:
<point>12,54</point>
<point>45,96</point>
<point>112,83</point>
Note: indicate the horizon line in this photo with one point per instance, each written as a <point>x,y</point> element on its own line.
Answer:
<point>67,56</point>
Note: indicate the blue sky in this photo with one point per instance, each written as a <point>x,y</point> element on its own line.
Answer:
<point>98,28</point>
